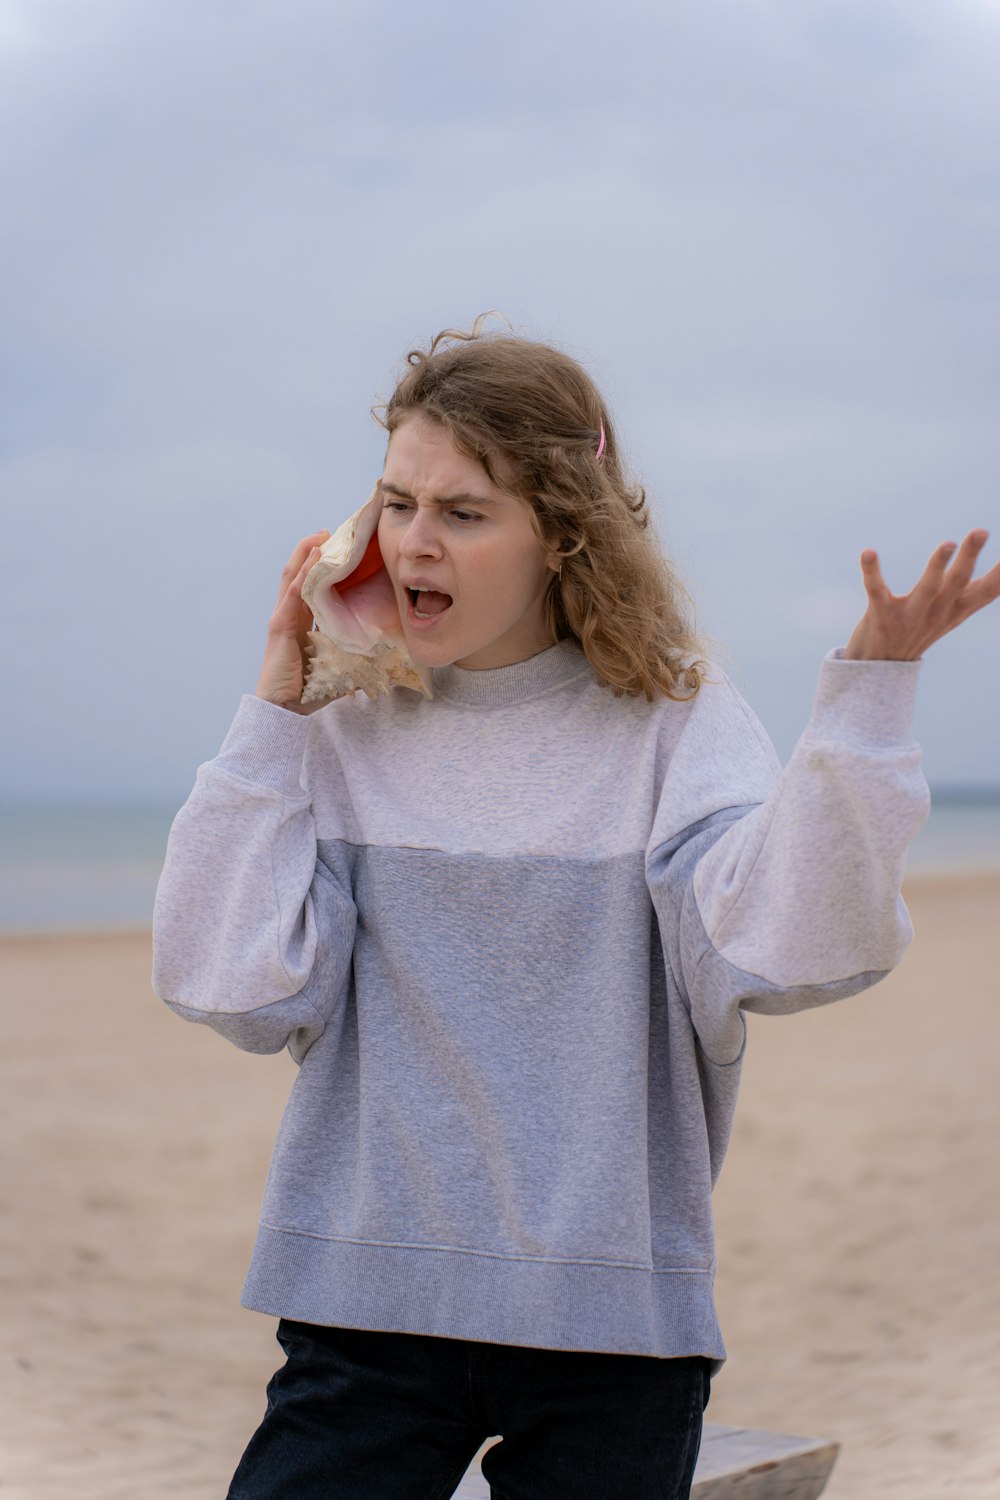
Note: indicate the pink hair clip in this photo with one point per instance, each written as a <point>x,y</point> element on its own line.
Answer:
<point>600,449</point>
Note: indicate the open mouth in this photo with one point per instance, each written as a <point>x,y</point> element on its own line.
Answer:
<point>428,604</point>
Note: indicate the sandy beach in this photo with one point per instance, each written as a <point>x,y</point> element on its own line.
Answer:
<point>858,1225</point>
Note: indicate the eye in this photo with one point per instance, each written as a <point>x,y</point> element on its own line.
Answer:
<point>466,515</point>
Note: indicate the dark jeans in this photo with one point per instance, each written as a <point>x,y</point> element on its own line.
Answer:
<point>356,1415</point>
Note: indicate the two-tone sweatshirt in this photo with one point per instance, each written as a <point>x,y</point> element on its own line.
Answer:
<point>509,935</point>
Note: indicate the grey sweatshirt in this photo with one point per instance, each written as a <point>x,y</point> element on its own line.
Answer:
<point>509,935</point>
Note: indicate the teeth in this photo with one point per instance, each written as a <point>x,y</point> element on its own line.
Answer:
<point>413,592</point>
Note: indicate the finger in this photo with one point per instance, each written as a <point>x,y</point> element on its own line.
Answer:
<point>931,580</point>
<point>871,574</point>
<point>291,567</point>
<point>306,618</point>
<point>940,558</point>
<point>973,597</point>
<point>982,591</point>
<point>287,612</point>
<point>294,563</point>
<point>964,565</point>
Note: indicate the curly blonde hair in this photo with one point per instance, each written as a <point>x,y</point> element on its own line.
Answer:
<point>532,417</point>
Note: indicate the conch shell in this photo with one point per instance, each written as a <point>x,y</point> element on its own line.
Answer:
<point>358,645</point>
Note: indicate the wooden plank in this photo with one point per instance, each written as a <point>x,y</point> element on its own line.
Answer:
<point>743,1463</point>
<point>735,1463</point>
<point>474,1486</point>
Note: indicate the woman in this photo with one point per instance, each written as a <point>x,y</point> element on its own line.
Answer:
<point>509,933</point>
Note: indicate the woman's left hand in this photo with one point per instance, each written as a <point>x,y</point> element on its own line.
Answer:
<point>900,627</point>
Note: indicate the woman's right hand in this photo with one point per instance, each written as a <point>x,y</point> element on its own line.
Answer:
<point>282,676</point>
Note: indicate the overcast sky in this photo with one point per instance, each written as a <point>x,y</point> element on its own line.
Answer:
<point>769,228</point>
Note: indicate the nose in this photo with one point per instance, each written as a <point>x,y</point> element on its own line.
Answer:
<point>421,534</point>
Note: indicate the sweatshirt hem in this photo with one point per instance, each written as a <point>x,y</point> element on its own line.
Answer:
<point>538,1303</point>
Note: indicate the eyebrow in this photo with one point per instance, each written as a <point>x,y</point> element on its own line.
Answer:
<point>464,498</point>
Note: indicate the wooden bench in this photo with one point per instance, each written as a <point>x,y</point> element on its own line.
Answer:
<point>735,1463</point>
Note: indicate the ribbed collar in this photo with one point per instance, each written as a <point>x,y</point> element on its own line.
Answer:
<point>494,686</point>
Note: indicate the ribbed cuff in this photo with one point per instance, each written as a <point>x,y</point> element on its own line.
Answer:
<point>266,744</point>
<point>865,702</point>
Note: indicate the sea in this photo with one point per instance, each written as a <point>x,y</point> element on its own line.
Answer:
<point>93,868</point>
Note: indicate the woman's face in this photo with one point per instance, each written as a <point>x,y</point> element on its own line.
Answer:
<point>446,525</point>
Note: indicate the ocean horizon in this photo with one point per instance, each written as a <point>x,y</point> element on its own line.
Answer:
<point>94,866</point>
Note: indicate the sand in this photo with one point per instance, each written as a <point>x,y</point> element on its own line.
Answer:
<point>859,1250</point>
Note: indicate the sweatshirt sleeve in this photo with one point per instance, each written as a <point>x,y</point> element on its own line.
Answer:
<point>251,934</point>
<point>777,890</point>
